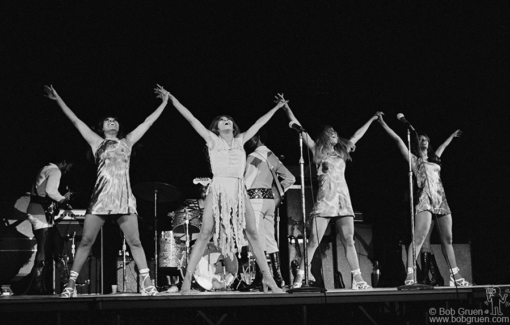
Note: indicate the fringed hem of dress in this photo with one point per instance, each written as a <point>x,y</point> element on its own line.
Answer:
<point>229,214</point>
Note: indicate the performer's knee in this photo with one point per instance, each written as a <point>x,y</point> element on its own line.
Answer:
<point>134,242</point>
<point>86,241</point>
<point>348,240</point>
<point>448,239</point>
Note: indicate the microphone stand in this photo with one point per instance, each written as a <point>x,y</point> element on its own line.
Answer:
<point>306,287</point>
<point>415,285</point>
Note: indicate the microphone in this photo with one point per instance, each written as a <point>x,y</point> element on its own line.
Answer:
<point>402,119</point>
<point>295,126</point>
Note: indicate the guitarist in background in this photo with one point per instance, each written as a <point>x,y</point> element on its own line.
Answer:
<point>44,202</point>
<point>263,170</point>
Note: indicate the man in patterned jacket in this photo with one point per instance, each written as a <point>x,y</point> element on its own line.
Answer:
<point>263,171</point>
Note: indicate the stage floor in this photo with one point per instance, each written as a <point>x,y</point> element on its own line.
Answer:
<point>205,306</point>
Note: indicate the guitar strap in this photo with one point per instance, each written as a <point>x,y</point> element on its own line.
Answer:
<point>275,177</point>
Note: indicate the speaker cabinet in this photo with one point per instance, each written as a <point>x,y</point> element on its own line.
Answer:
<point>462,256</point>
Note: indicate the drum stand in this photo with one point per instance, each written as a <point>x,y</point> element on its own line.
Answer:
<point>186,227</point>
<point>124,274</point>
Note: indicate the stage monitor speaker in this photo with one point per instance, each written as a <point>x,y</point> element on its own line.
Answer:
<point>462,255</point>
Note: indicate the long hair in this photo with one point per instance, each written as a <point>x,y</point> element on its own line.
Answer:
<point>214,125</point>
<point>431,153</point>
<point>98,128</point>
<point>323,146</point>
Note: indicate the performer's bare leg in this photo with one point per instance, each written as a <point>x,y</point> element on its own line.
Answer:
<point>345,227</point>
<point>91,227</point>
<point>422,224</point>
<point>203,239</point>
<point>253,238</point>
<point>319,226</point>
<point>129,225</point>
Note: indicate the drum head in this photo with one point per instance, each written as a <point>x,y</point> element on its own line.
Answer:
<point>209,272</point>
<point>179,218</point>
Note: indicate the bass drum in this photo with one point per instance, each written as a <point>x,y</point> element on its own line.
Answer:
<point>215,271</point>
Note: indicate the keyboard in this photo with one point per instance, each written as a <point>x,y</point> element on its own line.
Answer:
<point>74,214</point>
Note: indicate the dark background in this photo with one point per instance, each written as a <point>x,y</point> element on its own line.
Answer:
<point>444,64</point>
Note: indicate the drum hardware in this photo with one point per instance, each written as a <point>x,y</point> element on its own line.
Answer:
<point>186,222</point>
<point>124,274</point>
<point>156,192</point>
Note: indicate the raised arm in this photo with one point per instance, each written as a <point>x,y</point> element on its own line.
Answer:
<point>264,119</point>
<point>199,127</point>
<point>90,136</point>
<point>306,137</point>
<point>140,130</point>
<point>362,130</point>
<point>445,144</point>
<point>400,144</point>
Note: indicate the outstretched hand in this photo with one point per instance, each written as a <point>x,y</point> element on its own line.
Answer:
<point>378,116</point>
<point>280,100</point>
<point>457,134</point>
<point>162,93</point>
<point>51,93</point>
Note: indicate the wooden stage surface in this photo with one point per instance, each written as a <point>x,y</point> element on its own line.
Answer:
<point>233,307</point>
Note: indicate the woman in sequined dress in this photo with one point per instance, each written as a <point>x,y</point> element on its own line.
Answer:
<point>330,154</point>
<point>426,166</point>
<point>228,215</point>
<point>112,196</point>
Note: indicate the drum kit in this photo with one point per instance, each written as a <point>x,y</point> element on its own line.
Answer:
<point>214,271</point>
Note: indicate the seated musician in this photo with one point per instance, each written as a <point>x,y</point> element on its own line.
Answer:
<point>198,203</point>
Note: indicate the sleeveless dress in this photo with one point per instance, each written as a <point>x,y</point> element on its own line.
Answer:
<point>333,199</point>
<point>112,192</point>
<point>431,192</point>
<point>227,165</point>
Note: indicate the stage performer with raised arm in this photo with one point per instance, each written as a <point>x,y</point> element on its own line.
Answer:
<point>330,154</point>
<point>263,173</point>
<point>228,215</point>
<point>112,196</point>
<point>426,165</point>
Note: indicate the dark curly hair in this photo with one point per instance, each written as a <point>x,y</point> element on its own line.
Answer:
<point>431,153</point>
<point>214,125</point>
<point>98,127</point>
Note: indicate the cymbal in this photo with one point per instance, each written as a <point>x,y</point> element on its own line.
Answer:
<point>165,192</point>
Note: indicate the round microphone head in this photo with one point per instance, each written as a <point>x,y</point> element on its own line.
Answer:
<point>400,115</point>
<point>292,122</point>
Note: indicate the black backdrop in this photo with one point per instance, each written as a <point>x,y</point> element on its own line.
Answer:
<point>442,64</point>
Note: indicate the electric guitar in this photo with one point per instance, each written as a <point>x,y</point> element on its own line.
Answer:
<point>204,181</point>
